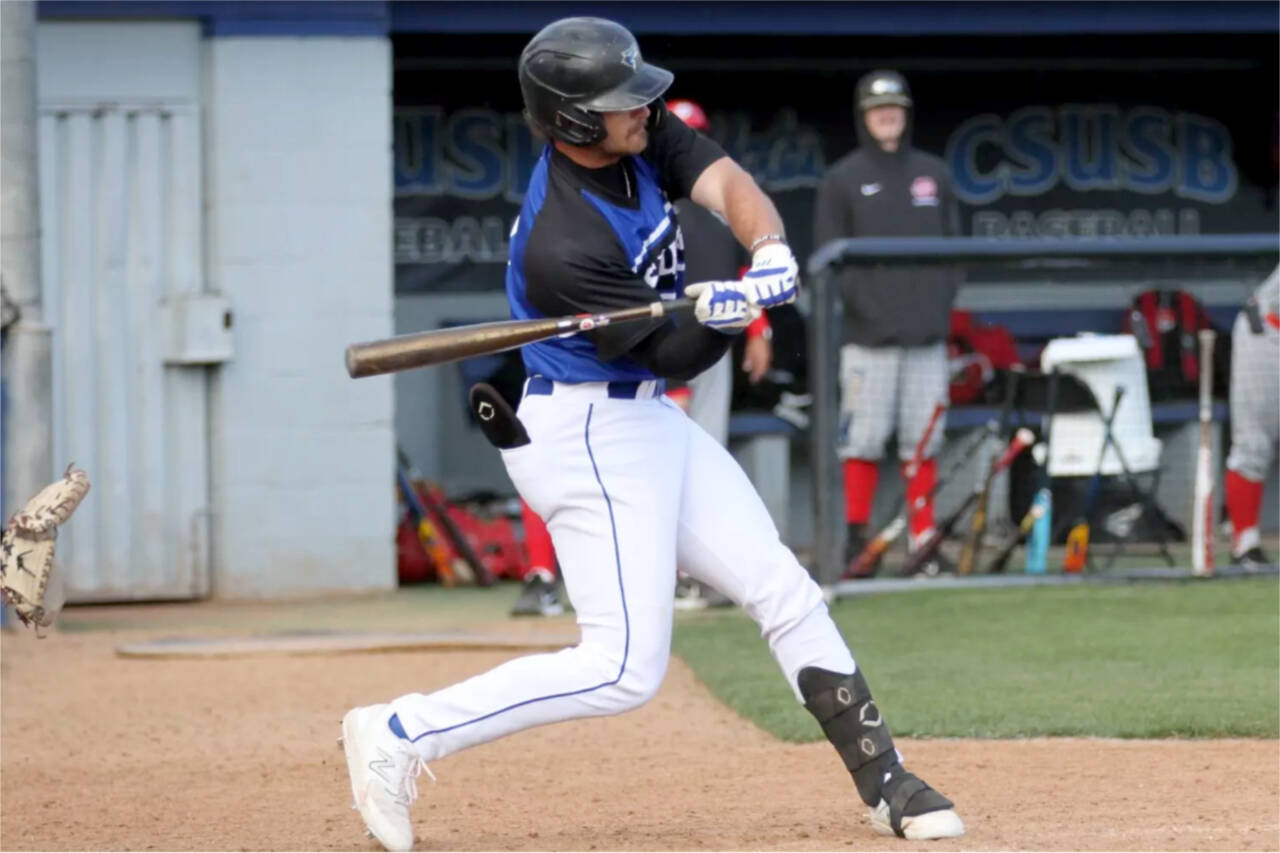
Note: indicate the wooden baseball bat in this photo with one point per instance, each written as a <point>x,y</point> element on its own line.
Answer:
<point>978,522</point>
<point>917,457</point>
<point>1033,514</point>
<point>442,346</point>
<point>428,536</point>
<point>1022,439</point>
<point>865,563</point>
<point>458,539</point>
<point>1042,528</point>
<point>1076,556</point>
<point>1202,500</point>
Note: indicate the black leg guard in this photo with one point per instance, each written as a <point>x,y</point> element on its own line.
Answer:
<point>848,715</point>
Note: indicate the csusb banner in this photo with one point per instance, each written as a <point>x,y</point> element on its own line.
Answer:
<point>1087,170</point>
<point>1065,170</point>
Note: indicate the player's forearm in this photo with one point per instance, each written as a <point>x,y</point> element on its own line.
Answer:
<point>728,190</point>
<point>749,212</point>
<point>681,352</point>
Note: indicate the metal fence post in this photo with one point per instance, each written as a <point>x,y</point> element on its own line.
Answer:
<point>824,361</point>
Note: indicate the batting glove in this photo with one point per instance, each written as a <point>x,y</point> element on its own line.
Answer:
<point>722,305</point>
<point>774,277</point>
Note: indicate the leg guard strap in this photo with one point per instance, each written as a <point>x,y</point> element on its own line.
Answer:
<point>908,796</point>
<point>843,706</point>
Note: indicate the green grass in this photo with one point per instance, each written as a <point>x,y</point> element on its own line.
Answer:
<point>1140,660</point>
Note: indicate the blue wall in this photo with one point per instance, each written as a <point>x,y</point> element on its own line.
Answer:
<point>345,17</point>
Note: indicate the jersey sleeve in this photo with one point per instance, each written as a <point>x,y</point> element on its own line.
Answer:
<point>680,155</point>
<point>564,278</point>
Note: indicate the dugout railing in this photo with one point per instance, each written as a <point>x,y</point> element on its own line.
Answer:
<point>1021,260</point>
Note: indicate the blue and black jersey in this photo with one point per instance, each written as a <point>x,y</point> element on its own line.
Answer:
<point>594,240</point>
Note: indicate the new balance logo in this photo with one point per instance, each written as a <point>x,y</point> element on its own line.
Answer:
<point>384,767</point>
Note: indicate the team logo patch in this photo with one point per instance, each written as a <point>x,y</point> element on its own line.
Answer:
<point>630,57</point>
<point>924,192</point>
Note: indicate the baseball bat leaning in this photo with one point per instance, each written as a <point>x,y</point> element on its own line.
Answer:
<point>1202,501</point>
<point>1042,527</point>
<point>457,538</point>
<point>1077,554</point>
<point>863,564</point>
<point>978,523</point>
<point>442,346</point>
<point>917,457</point>
<point>1034,513</point>
<point>1022,439</point>
<point>427,533</point>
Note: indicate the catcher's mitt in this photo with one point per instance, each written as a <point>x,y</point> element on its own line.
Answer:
<point>26,546</point>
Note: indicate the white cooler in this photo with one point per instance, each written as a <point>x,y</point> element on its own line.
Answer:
<point>1101,362</point>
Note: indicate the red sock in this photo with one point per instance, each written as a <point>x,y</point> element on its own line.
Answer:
<point>537,542</point>
<point>860,478</point>
<point>1244,504</point>
<point>918,487</point>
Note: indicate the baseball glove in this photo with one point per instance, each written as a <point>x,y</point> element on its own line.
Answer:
<point>26,546</point>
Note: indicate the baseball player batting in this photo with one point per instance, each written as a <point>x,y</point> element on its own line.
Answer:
<point>629,488</point>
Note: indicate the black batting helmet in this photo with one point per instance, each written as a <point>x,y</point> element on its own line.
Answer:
<point>882,88</point>
<point>577,68</point>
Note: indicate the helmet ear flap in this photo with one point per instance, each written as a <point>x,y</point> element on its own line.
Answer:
<point>578,126</point>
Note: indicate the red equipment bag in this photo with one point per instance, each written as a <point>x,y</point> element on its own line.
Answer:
<point>975,351</point>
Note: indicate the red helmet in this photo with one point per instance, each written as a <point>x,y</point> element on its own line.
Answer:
<point>690,113</point>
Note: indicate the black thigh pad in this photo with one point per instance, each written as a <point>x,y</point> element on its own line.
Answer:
<point>497,419</point>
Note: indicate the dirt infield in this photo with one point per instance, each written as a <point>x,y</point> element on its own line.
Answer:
<point>106,753</point>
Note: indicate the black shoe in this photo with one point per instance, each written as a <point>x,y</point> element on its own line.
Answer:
<point>538,598</point>
<point>1253,559</point>
<point>855,543</point>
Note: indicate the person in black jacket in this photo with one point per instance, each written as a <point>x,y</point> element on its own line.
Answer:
<point>893,364</point>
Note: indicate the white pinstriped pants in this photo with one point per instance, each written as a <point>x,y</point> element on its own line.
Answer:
<point>1255,399</point>
<point>884,387</point>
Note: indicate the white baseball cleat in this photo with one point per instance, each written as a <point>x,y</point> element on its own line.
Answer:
<point>383,770</point>
<point>943,823</point>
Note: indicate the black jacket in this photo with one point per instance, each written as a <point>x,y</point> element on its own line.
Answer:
<point>907,193</point>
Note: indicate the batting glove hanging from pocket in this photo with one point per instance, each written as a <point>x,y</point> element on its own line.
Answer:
<point>722,305</point>
<point>774,277</point>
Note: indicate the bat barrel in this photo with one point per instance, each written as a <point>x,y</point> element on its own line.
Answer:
<point>442,346</point>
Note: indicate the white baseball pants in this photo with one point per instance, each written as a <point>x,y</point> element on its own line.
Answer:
<point>630,490</point>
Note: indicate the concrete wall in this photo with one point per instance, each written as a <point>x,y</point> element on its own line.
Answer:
<point>298,192</point>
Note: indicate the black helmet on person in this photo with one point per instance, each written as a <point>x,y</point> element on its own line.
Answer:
<point>881,88</point>
<point>577,68</point>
